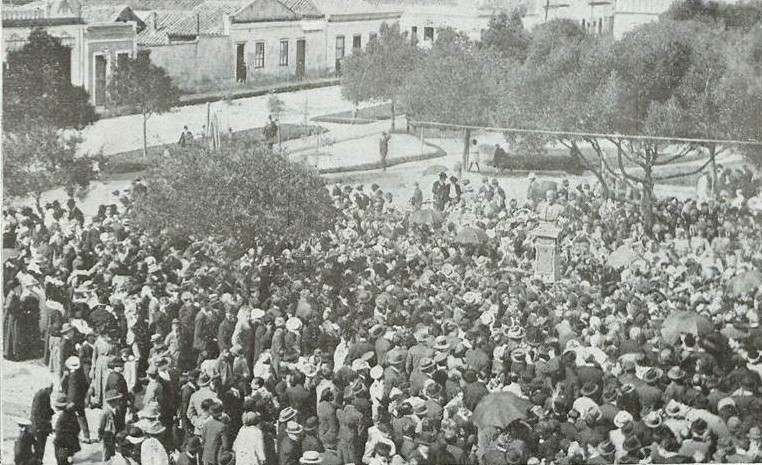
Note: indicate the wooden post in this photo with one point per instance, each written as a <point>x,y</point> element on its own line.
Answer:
<point>422,144</point>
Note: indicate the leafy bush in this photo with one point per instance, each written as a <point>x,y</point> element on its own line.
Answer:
<point>241,193</point>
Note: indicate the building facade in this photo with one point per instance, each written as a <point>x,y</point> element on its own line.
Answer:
<point>96,46</point>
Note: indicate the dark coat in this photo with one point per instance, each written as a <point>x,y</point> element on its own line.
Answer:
<point>67,431</point>
<point>76,386</point>
<point>214,439</point>
<point>41,415</point>
<point>289,452</point>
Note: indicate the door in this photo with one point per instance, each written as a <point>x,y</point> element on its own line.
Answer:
<point>240,63</point>
<point>301,53</point>
<point>100,80</point>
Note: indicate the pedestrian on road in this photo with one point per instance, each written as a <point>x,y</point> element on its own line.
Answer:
<point>41,420</point>
<point>270,132</point>
<point>66,443</point>
<point>474,157</point>
<point>185,137</point>
<point>383,148</point>
<point>25,442</point>
<point>417,200</point>
<point>76,387</point>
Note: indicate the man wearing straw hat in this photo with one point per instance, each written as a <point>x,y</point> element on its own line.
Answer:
<point>66,442</point>
<point>75,386</point>
<point>290,447</point>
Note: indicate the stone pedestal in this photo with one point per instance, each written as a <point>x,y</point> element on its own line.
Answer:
<point>547,261</point>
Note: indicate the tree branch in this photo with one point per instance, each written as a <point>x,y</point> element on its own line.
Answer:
<point>679,175</point>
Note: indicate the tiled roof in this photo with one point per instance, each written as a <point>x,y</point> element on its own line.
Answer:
<point>304,8</point>
<point>110,14</point>
<point>206,19</point>
<point>353,7</point>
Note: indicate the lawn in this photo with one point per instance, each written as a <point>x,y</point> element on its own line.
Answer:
<point>365,115</point>
<point>134,161</point>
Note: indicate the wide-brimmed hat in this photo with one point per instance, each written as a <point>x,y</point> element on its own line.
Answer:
<point>72,363</point>
<point>112,394</point>
<point>433,389</point>
<point>256,314</point>
<point>515,332</point>
<point>519,356</point>
<point>359,364</point>
<point>448,270</point>
<point>653,375</point>
<point>66,327</point>
<point>674,408</point>
<point>622,418</point>
<point>310,457</point>
<point>440,358</point>
<point>204,379</point>
<point>441,343</point>
<point>150,411</point>
<point>155,428</point>
<point>294,428</point>
<point>396,358</point>
<point>287,414</point>
<point>589,389</point>
<point>155,337</point>
<point>471,297</point>
<point>377,330</point>
<point>421,409</point>
<point>675,373</point>
<point>311,424</point>
<point>606,448</point>
<point>726,402</point>
<point>610,394</point>
<point>293,324</point>
<point>136,435</point>
<point>426,364</point>
<point>631,444</point>
<point>652,420</point>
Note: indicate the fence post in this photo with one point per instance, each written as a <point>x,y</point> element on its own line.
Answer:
<point>422,144</point>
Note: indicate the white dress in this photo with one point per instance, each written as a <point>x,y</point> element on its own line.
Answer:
<point>249,446</point>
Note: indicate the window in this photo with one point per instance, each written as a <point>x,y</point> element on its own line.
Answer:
<point>340,47</point>
<point>259,55</point>
<point>121,59</point>
<point>357,42</point>
<point>428,33</point>
<point>283,53</point>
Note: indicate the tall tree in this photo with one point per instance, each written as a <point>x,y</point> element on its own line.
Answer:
<point>41,160</point>
<point>37,88</point>
<point>507,36</point>
<point>379,71</point>
<point>144,88</point>
<point>241,192</point>
<point>455,83</point>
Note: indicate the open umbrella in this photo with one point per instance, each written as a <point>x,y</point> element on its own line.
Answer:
<point>500,409</point>
<point>434,169</point>
<point>622,257</point>
<point>683,321</point>
<point>471,235</point>
<point>745,283</point>
<point>428,216</point>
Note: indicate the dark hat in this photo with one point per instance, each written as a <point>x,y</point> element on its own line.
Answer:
<point>396,358</point>
<point>426,364</point>
<point>609,394</point>
<point>193,445</point>
<point>311,424</point>
<point>675,373</point>
<point>434,390</point>
<point>631,444</point>
<point>115,362</point>
<point>653,375</point>
<point>606,448</point>
<point>204,379</point>
<point>60,401</point>
<point>589,389</point>
<point>698,427</point>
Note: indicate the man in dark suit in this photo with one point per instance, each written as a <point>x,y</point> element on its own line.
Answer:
<point>290,446</point>
<point>185,425</point>
<point>214,437</point>
<point>76,386</point>
<point>300,398</point>
<point>201,324</point>
<point>41,418</point>
<point>190,455</point>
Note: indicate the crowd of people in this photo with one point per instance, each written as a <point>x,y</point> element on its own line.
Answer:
<point>393,338</point>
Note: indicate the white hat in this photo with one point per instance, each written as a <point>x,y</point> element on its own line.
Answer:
<point>376,372</point>
<point>293,324</point>
<point>72,362</point>
<point>622,418</point>
<point>256,313</point>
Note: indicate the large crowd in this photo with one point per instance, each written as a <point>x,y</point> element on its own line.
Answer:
<point>395,338</point>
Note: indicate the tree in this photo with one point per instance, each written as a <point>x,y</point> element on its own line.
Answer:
<point>739,16</point>
<point>507,36</point>
<point>455,83</point>
<point>241,192</point>
<point>37,88</point>
<point>379,71</point>
<point>41,160</point>
<point>144,88</point>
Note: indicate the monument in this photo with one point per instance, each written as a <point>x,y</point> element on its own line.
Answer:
<point>547,264</point>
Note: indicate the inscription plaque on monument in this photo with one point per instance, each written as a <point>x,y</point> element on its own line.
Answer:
<point>547,260</point>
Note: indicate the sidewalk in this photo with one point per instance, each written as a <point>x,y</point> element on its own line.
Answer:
<point>213,96</point>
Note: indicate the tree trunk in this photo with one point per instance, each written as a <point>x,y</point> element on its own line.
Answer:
<point>393,116</point>
<point>466,148</point>
<point>145,136</point>
<point>38,203</point>
<point>647,198</point>
<point>713,157</point>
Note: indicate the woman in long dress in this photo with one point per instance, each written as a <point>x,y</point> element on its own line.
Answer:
<point>103,349</point>
<point>249,446</point>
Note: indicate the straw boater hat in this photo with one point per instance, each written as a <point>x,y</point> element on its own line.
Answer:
<point>310,457</point>
<point>675,373</point>
<point>376,372</point>
<point>426,364</point>
<point>622,418</point>
<point>441,343</point>
<point>287,414</point>
<point>515,332</point>
<point>72,363</point>
<point>652,420</point>
<point>136,435</point>
<point>293,324</point>
<point>204,380</point>
<point>294,428</point>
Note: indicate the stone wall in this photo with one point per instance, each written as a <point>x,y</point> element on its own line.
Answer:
<point>201,62</point>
